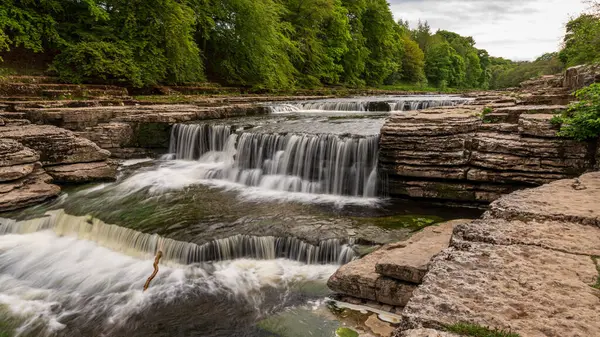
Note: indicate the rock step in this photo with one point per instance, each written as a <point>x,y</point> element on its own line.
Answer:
<point>497,117</point>
<point>409,261</point>
<point>526,266</point>
<point>39,89</point>
<point>547,99</point>
<point>406,262</point>
<point>83,172</point>
<point>515,112</point>
<point>27,191</point>
<point>538,126</point>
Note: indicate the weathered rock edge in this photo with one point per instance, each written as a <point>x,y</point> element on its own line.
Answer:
<point>526,266</point>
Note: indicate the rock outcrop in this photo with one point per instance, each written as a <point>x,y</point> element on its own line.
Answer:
<point>22,179</point>
<point>529,266</point>
<point>33,156</point>
<point>466,154</point>
<point>132,131</point>
<point>390,274</point>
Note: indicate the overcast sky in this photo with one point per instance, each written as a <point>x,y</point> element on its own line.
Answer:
<point>513,29</point>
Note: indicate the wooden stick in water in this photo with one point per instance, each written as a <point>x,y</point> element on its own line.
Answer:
<point>156,261</point>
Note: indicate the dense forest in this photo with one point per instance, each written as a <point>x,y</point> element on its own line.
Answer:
<point>264,44</point>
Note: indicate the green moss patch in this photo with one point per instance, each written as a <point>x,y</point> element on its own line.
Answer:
<point>474,330</point>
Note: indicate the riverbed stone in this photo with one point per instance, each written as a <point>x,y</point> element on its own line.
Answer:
<point>409,262</point>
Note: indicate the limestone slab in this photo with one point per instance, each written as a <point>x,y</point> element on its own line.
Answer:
<point>527,289</point>
<point>569,200</point>
<point>83,172</point>
<point>410,261</point>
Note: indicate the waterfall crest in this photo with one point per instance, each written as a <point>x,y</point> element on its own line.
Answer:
<point>142,245</point>
<point>381,104</point>
<point>317,164</point>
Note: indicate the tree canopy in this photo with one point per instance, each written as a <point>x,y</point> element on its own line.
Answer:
<point>267,44</point>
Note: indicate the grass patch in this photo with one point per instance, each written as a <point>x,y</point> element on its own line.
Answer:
<point>475,330</point>
<point>486,111</point>
<point>412,221</point>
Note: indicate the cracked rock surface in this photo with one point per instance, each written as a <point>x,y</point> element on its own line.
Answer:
<point>528,266</point>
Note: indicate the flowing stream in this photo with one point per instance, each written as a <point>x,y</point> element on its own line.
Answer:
<point>252,215</point>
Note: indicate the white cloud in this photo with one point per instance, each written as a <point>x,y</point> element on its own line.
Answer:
<point>514,29</point>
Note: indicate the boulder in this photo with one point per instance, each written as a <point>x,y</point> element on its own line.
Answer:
<point>425,333</point>
<point>14,153</point>
<point>527,266</point>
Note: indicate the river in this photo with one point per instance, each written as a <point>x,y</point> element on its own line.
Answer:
<point>253,215</point>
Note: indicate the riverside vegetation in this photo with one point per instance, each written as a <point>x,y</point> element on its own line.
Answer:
<point>263,44</point>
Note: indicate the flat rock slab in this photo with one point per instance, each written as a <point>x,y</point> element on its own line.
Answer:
<point>555,235</point>
<point>84,172</point>
<point>406,263</point>
<point>527,289</point>
<point>410,261</point>
<point>538,126</point>
<point>571,200</point>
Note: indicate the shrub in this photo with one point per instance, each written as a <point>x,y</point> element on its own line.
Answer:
<point>581,121</point>
<point>92,61</point>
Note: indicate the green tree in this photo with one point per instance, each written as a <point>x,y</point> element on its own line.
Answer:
<point>413,63</point>
<point>320,34</point>
<point>385,49</point>
<point>582,40</point>
<point>249,44</point>
<point>582,119</point>
<point>443,65</point>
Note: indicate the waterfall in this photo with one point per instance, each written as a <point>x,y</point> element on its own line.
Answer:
<point>381,104</point>
<point>134,243</point>
<point>317,164</point>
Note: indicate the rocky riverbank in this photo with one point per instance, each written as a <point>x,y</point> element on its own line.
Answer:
<point>501,142</point>
<point>529,266</point>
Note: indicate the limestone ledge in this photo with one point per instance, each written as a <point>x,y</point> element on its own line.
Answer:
<point>527,266</point>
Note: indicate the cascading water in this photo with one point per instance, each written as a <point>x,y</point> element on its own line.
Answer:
<point>381,104</point>
<point>143,245</point>
<point>316,164</point>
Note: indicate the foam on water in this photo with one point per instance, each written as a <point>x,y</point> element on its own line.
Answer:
<point>48,282</point>
<point>144,245</point>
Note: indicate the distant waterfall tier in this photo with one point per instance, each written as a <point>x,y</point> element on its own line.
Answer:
<point>143,245</point>
<point>373,104</point>
<point>317,164</point>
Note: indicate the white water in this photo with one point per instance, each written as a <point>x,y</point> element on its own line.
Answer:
<point>390,103</point>
<point>309,164</point>
<point>49,283</point>
<point>143,245</point>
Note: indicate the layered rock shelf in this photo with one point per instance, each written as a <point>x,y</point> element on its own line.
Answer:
<point>33,156</point>
<point>528,266</point>
<point>476,153</point>
<point>391,274</point>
